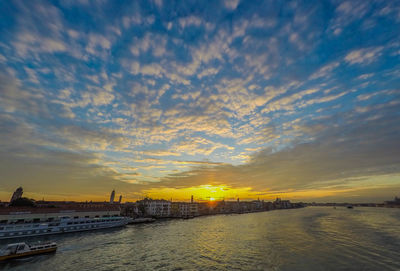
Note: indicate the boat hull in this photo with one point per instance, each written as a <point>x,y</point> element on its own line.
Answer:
<point>28,253</point>
<point>61,229</point>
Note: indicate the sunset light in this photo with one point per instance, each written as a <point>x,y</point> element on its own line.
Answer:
<point>256,134</point>
<point>203,193</point>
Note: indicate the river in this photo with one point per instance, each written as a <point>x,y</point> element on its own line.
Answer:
<point>312,238</point>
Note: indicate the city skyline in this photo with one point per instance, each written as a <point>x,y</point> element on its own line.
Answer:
<point>223,99</point>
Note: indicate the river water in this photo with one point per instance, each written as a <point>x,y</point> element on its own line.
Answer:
<point>312,238</point>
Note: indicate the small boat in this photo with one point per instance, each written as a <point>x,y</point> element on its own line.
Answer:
<point>349,206</point>
<point>19,250</point>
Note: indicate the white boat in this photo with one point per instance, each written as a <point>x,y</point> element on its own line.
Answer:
<point>19,250</point>
<point>63,224</point>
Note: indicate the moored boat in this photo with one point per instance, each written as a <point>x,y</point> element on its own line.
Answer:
<point>19,250</point>
<point>22,223</point>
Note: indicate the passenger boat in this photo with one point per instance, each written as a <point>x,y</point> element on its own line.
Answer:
<point>19,250</point>
<point>21,222</point>
<point>25,228</point>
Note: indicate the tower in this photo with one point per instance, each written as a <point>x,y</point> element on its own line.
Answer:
<point>120,199</point>
<point>112,196</point>
<point>17,194</point>
<point>191,199</point>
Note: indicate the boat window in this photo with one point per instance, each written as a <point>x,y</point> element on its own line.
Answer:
<point>75,217</point>
<point>36,220</point>
<point>87,216</point>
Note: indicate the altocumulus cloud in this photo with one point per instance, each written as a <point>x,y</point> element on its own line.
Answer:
<point>272,96</point>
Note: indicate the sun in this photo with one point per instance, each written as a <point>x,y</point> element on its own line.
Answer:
<point>212,199</point>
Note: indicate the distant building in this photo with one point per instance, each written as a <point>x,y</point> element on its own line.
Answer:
<point>130,209</point>
<point>112,196</point>
<point>120,199</point>
<point>203,208</point>
<point>17,194</point>
<point>194,209</point>
<point>157,208</point>
<point>184,209</point>
<point>282,204</point>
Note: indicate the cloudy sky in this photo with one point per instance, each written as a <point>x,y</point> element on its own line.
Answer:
<point>219,99</point>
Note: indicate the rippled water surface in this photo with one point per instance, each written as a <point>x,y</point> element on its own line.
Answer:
<point>313,238</point>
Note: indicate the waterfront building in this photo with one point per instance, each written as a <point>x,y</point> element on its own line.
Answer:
<point>156,208</point>
<point>112,196</point>
<point>175,209</point>
<point>193,208</point>
<point>256,205</point>
<point>180,209</point>
<point>203,208</point>
<point>184,209</point>
<point>17,194</point>
<point>130,209</point>
<point>282,204</point>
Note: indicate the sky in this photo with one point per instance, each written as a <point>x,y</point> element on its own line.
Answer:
<point>216,99</point>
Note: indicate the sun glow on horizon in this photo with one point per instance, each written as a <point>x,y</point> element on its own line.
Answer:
<point>206,192</point>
